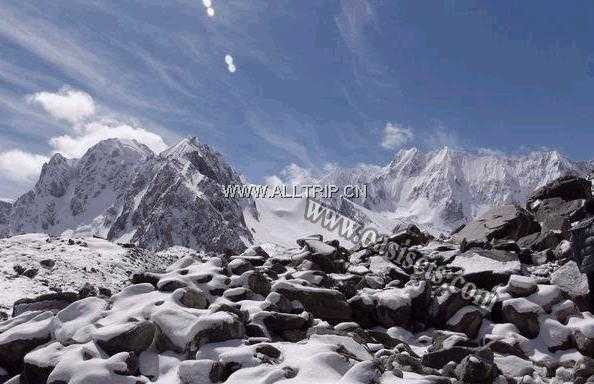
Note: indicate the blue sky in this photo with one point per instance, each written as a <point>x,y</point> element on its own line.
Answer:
<point>312,83</point>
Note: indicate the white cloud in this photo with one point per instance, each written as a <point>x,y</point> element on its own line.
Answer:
<point>20,166</point>
<point>77,143</point>
<point>86,129</point>
<point>395,136</point>
<point>67,104</point>
<point>292,174</point>
<point>273,180</point>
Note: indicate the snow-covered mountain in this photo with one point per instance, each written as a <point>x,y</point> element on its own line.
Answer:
<point>445,188</point>
<point>122,191</point>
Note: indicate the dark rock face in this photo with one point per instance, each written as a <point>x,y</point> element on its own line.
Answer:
<point>5,209</point>
<point>567,188</point>
<point>477,369</point>
<point>326,304</point>
<point>134,337</point>
<point>50,302</point>
<point>509,222</point>
<point>524,315</point>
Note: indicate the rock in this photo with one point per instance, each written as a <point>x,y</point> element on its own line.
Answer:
<point>521,286</point>
<point>326,304</point>
<point>200,372</point>
<point>479,369</point>
<point>564,310</point>
<point>87,290</point>
<point>487,268</point>
<point>443,304</point>
<point>145,277</point>
<point>584,343</point>
<point>258,282</point>
<point>191,298</point>
<point>467,320</point>
<point>572,283</point>
<point>238,294</point>
<point>31,272</point>
<point>438,359</point>
<point>555,215</point>
<point>279,322</point>
<point>584,368</point>
<point>127,337</point>
<point>268,350</point>
<point>18,269</point>
<point>556,336</point>
<point>411,236</point>
<point>394,307</point>
<point>582,249</point>
<point>239,266</point>
<point>49,302</point>
<point>507,222</point>
<point>47,263</point>
<point>18,340</point>
<point>567,188</point>
<point>523,314</point>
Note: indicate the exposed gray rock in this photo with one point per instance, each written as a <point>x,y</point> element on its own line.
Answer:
<point>524,315</point>
<point>5,210</point>
<point>567,188</point>
<point>49,302</point>
<point>130,337</point>
<point>509,222</point>
<point>572,282</point>
<point>326,304</point>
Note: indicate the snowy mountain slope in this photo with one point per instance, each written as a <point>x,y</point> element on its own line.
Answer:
<point>445,188</point>
<point>70,193</point>
<point>36,264</point>
<point>122,191</point>
<point>178,200</point>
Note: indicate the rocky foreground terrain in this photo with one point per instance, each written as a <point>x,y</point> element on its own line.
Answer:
<point>499,301</point>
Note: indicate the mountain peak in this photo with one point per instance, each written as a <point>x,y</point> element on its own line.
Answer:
<point>183,147</point>
<point>117,144</point>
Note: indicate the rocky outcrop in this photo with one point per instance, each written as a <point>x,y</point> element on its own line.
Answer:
<point>507,222</point>
<point>5,209</point>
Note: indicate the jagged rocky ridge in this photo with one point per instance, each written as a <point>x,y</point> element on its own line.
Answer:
<point>323,313</point>
<point>5,209</point>
<point>122,191</point>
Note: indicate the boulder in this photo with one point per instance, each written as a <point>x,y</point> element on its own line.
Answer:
<point>53,302</point>
<point>479,369</point>
<point>506,222</point>
<point>20,339</point>
<point>523,314</point>
<point>567,188</point>
<point>521,286</point>
<point>572,283</point>
<point>326,304</point>
<point>467,320</point>
<point>135,336</point>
